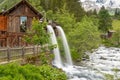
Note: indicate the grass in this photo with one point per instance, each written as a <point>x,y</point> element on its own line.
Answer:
<point>116,24</point>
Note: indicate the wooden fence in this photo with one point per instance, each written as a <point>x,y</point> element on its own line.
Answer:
<point>8,54</point>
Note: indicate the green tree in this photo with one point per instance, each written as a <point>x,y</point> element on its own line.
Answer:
<point>74,7</point>
<point>105,21</point>
<point>89,13</point>
<point>114,40</point>
<point>84,37</point>
<point>6,4</point>
<point>36,4</point>
<point>94,12</point>
<point>117,13</point>
<point>63,18</point>
<point>37,35</point>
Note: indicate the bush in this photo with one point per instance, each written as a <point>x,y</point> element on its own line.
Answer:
<point>114,41</point>
<point>30,72</point>
<point>84,37</point>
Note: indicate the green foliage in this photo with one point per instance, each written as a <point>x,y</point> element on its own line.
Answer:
<point>1,1</point>
<point>40,37</point>
<point>73,7</point>
<point>61,48</point>
<point>66,20</point>
<point>36,4</point>
<point>109,77</point>
<point>30,72</point>
<point>114,42</point>
<point>52,73</point>
<point>37,35</point>
<point>46,58</point>
<point>115,39</point>
<point>53,5</point>
<point>6,4</point>
<point>84,37</point>
<point>63,18</point>
<point>105,21</point>
<point>116,35</point>
<point>117,13</point>
<point>112,77</point>
<point>116,24</point>
<point>116,70</point>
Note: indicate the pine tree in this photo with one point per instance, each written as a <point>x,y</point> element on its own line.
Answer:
<point>116,12</point>
<point>74,7</point>
<point>94,12</point>
<point>105,21</point>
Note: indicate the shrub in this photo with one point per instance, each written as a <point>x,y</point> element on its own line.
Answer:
<point>30,72</point>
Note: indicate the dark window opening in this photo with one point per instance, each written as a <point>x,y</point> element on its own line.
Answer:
<point>23,23</point>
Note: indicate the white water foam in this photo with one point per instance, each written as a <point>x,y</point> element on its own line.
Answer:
<point>102,60</point>
<point>57,61</point>
<point>65,45</point>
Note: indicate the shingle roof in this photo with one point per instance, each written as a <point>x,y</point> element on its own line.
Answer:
<point>18,4</point>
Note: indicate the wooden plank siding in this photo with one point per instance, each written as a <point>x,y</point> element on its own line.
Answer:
<point>14,18</point>
<point>3,23</point>
<point>14,23</point>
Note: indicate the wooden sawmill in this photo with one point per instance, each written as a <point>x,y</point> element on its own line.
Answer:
<point>14,23</point>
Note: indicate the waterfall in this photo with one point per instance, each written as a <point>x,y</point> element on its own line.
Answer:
<point>66,46</point>
<point>57,61</point>
<point>73,72</point>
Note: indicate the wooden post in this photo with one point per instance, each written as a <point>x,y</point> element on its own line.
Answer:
<point>8,54</point>
<point>23,52</point>
<point>34,50</point>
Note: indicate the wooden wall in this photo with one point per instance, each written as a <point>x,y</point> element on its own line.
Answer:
<point>14,18</point>
<point>10,22</point>
<point>3,23</point>
<point>13,24</point>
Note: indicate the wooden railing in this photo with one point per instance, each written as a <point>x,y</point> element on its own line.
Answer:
<point>8,54</point>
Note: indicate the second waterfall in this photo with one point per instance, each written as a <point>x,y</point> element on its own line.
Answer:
<point>65,45</point>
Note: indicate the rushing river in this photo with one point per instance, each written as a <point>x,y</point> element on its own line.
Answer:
<point>102,61</point>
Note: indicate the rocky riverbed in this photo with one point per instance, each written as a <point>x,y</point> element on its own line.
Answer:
<point>104,64</point>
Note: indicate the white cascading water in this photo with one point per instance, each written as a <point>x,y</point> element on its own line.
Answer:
<point>102,61</point>
<point>57,61</point>
<point>65,45</point>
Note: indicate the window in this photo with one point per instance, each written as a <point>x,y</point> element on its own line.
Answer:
<point>23,21</point>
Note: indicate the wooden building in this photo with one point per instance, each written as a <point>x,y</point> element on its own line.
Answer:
<point>15,21</point>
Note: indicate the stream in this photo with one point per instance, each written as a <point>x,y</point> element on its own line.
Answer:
<point>102,61</point>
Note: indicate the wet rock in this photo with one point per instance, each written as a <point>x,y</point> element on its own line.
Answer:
<point>103,58</point>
